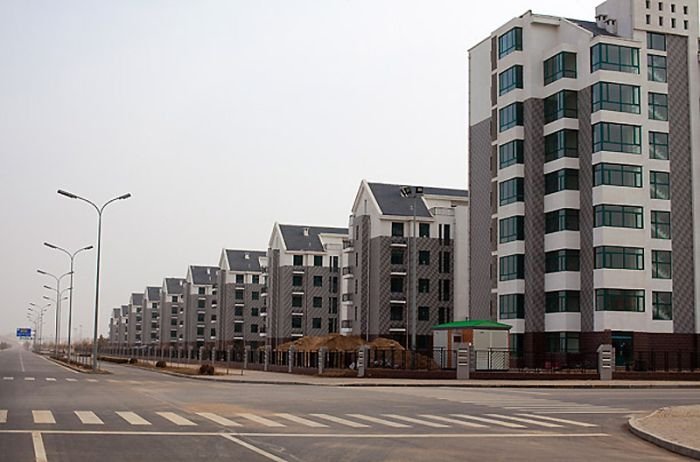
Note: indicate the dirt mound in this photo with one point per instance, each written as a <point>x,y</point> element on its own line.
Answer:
<point>337,342</point>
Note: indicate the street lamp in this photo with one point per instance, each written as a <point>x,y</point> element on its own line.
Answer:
<point>99,211</point>
<point>414,192</point>
<point>41,310</point>
<point>58,303</point>
<point>70,301</point>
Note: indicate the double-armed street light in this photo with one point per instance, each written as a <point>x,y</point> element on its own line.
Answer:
<point>58,302</point>
<point>33,307</point>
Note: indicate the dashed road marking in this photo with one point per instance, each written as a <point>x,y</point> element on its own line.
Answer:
<point>133,418</point>
<point>526,421</point>
<point>261,420</point>
<point>218,419</point>
<point>453,421</point>
<point>176,419</point>
<point>416,421</point>
<point>43,417</point>
<point>69,379</point>
<point>377,420</point>
<point>29,379</point>
<point>3,416</point>
<point>301,420</point>
<point>50,379</point>
<point>8,378</point>
<point>340,420</point>
<point>488,421</point>
<point>563,421</point>
<point>89,418</point>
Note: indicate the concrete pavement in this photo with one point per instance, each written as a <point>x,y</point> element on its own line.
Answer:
<point>674,428</point>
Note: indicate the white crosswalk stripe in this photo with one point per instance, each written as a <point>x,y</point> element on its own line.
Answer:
<point>29,379</point>
<point>558,420</point>
<point>68,379</point>
<point>301,420</point>
<point>3,416</point>
<point>377,420</point>
<point>133,418</point>
<point>176,419</point>
<point>453,421</point>
<point>218,419</point>
<point>92,380</point>
<point>50,379</point>
<point>261,420</point>
<point>8,378</point>
<point>43,417</point>
<point>489,421</point>
<point>527,421</point>
<point>89,418</point>
<point>340,420</point>
<point>416,421</point>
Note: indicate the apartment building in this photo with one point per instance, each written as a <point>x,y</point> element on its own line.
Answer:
<point>242,298</point>
<point>405,263</point>
<point>135,329</point>
<point>201,310</point>
<point>172,312</point>
<point>303,281</point>
<point>114,321</point>
<point>151,315</point>
<point>585,179</point>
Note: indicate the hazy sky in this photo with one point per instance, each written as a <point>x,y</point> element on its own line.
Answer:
<point>220,117</point>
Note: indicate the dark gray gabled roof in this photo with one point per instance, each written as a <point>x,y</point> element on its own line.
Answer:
<point>591,27</point>
<point>204,275</point>
<point>153,293</point>
<point>295,237</point>
<point>174,285</point>
<point>125,310</point>
<point>244,260</point>
<point>136,299</point>
<point>391,202</point>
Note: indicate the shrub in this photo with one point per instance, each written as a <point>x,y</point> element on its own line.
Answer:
<point>133,360</point>
<point>206,369</point>
<point>160,363</point>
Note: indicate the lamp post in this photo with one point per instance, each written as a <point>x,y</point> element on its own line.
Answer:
<point>414,192</point>
<point>70,300</point>
<point>58,303</point>
<point>41,310</point>
<point>99,210</point>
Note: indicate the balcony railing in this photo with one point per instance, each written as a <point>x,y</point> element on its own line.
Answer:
<point>348,243</point>
<point>347,270</point>
<point>347,297</point>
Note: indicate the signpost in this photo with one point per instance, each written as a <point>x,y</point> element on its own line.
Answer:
<point>24,332</point>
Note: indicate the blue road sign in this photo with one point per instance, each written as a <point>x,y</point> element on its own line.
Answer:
<point>24,332</point>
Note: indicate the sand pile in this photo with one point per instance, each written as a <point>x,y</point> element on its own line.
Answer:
<point>337,342</point>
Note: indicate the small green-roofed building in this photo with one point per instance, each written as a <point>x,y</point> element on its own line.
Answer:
<point>472,324</point>
<point>489,339</point>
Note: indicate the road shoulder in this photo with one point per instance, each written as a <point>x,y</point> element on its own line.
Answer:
<point>676,429</point>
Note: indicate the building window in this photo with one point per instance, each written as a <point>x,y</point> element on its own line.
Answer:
<point>396,284</point>
<point>238,327</point>
<point>396,313</point>
<point>397,256</point>
<point>561,180</point>
<point>238,294</point>
<point>617,97</point>
<point>318,281</point>
<point>617,175</point>
<point>658,106</point>
<point>297,280</point>
<point>662,306</point>
<point>424,257</point>
<point>298,260</point>
<point>511,229</point>
<point>423,229</point>
<point>239,279</point>
<point>660,224</point>
<point>296,322</point>
<point>563,104</point>
<point>510,41</point>
<point>317,302</point>
<point>559,66</point>
<point>238,311</point>
<point>615,257</point>
<point>173,299</point>
<point>656,41</point>
<point>619,300</point>
<point>510,116</point>
<point>255,312</point>
<point>396,229</point>
<point>256,279</point>
<point>423,286</point>
<point>561,260</point>
<point>563,301</point>
<point>296,301</point>
<point>618,216</point>
<point>318,260</point>
<point>200,317</point>
<point>511,153</point>
<point>656,68</point>
<point>445,266</point>
<point>511,306</point>
<point>333,305</point>
<point>200,331</point>
<point>255,295</point>
<point>315,323</point>
<point>212,332</point>
<point>563,143</point>
<point>561,220</point>
<point>423,313</point>
<point>510,79</point>
<point>658,145</point>
<point>201,291</point>
<point>444,292</point>
<point>512,191</point>
<point>512,267</point>
<point>617,138</point>
<point>605,56</point>
<point>253,328</point>
<point>563,342</point>
<point>661,264</point>
<point>201,303</point>
<point>660,185</point>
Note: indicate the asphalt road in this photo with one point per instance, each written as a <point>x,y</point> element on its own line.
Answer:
<point>50,413</point>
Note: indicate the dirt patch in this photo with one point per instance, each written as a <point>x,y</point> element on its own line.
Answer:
<point>337,342</point>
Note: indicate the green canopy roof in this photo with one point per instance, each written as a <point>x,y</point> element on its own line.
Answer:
<point>473,324</point>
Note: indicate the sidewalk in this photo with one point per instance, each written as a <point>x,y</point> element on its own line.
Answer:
<point>674,428</point>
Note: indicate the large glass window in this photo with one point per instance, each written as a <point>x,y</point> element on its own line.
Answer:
<point>511,153</point>
<point>560,105</point>
<point>658,106</point>
<point>617,175</point>
<point>510,41</point>
<point>661,264</point>
<point>512,190</point>
<point>605,56</point>
<point>512,267</point>
<point>619,300</point>
<point>617,138</point>
<point>615,257</point>
<point>511,229</point>
<point>396,284</point>
<point>397,229</point>
<point>559,66</point>
<point>658,145</point>
<point>511,306</point>
<point>561,220</point>
<point>510,116</point>
<point>662,306</point>
<point>660,185</point>
<point>660,224</point>
<point>563,342</point>
<point>562,260</point>
<point>397,256</point>
<point>618,216</point>
<point>563,301</point>
<point>510,79</point>
<point>607,96</point>
<point>563,143</point>
<point>561,180</point>
<point>656,68</point>
<point>656,41</point>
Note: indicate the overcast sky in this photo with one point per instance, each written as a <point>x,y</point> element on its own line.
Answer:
<point>220,117</point>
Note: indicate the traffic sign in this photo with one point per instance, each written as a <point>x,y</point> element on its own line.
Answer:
<point>24,332</point>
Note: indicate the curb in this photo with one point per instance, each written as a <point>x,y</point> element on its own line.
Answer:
<point>74,368</point>
<point>637,430</point>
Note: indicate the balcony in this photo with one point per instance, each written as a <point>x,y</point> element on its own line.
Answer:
<point>347,297</point>
<point>348,244</point>
<point>348,270</point>
<point>399,241</point>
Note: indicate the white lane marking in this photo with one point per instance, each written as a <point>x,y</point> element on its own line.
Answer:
<point>340,420</point>
<point>584,412</point>
<point>488,421</point>
<point>43,417</point>
<point>50,379</point>
<point>416,421</point>
<point>39,449</point>
<point>89,418</point>
<point>377,420</point>
<point>133,418</point>
<point>21,361</point>
<point>261,420</point>
<point>8,378</point>
<point>176,419</point>
<point>564,421</point>
<point>218,419</point>
<point>453,421</point>
<point>29,379</point>
<point>301,420</point>
<point>255,449</point>
<point>112,380</point>
<point>526,421</point>
<point>3,416</point>
<point>92,380</point>
<point>69,379</point>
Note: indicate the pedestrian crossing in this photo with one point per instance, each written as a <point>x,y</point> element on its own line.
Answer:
<point>89,380</point>
<point>253,421</point>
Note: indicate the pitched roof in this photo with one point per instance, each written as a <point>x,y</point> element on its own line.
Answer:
<point>237,260</point>
<point>295,238</point>
<point>136,299</point>
<point>591,27</point>
<point>204,275</point>
<point>473,324</point>
<point>391,202</point>
<point>153,293</point>
<point>174,285</point>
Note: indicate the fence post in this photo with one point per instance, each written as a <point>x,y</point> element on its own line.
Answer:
<point>362,354</point>
<point>322,359</point>
<point>266,354</point>
<point>464,361</point>
<point>606,358</point>
<point>246,353</point>
<point>290,359</point>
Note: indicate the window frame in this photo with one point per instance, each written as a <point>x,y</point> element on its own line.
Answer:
<point>511,267</point>
<point>659,182</point>
<point>510,116</point>
<point>603,98</point>
<point>656,71</point>
<point>565,219</point>
<point>511,229</point>
<point>565,179</point>
<point>658,106</point>
<point>510,42</point>
<point>601,58</point>
<point>661,310</point>
<point>563,301</point>
<point>511,191</point>
<point>562,143</point>
<point>618,257</point>
<point>659,224</point>
<point>561,105</point>
<point>511,153</point>
<point>605,140</point>
<point>658,145</point>
<point>560,67</point>
<point>608,213</point>
<point>656,41</point>
<point>511,306</point>
<point>661,264</point>
<point>562,260</point>
<point>510,79</point>
<point>605,173</point>
<point>625,300</point>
